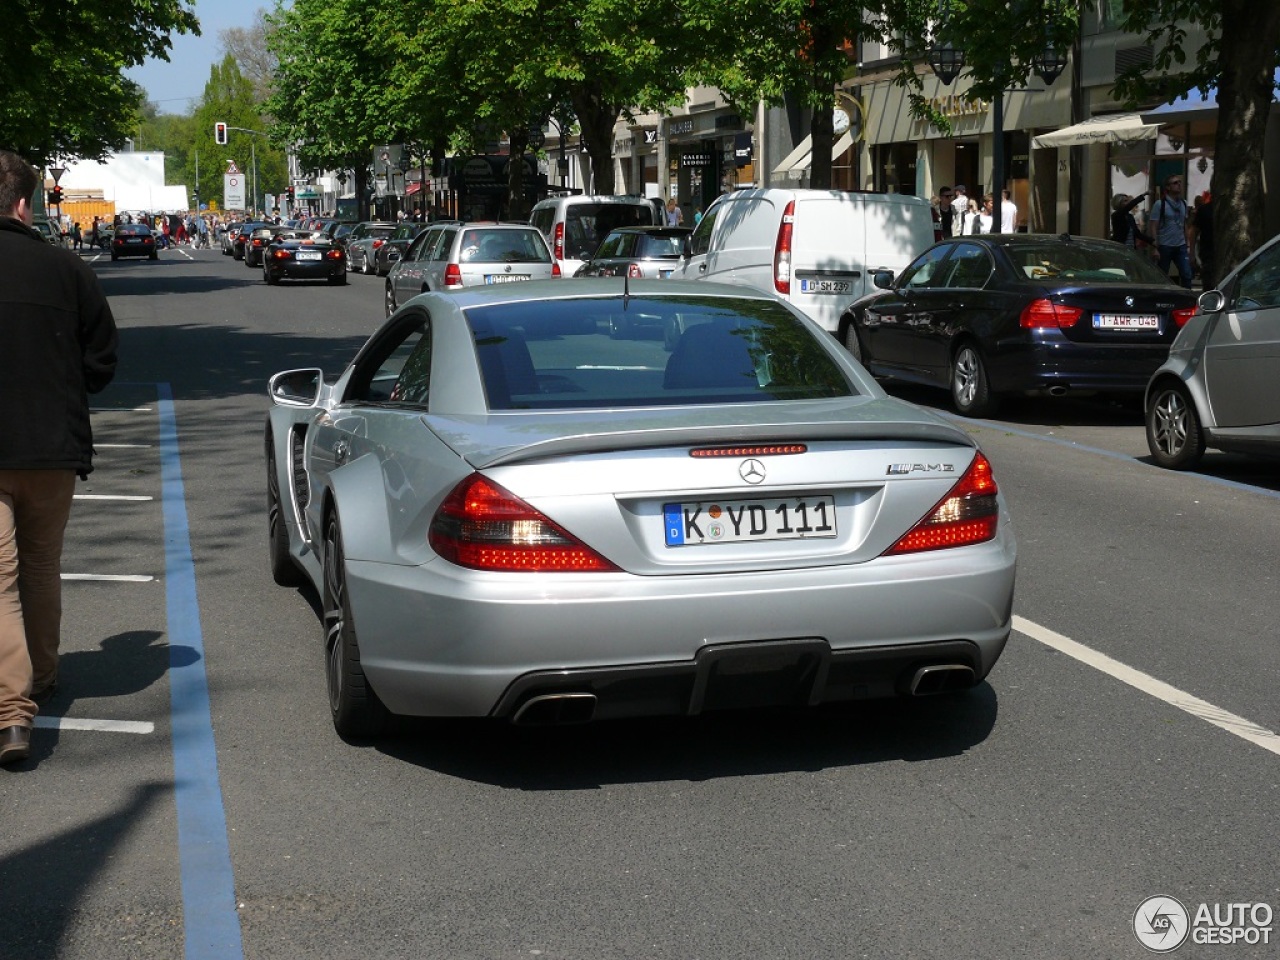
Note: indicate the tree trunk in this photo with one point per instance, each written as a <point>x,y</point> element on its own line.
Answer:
<point>822,126</point>
<point>517,208</point>
<point>361,170</point>
<point>596,119</point>
<point>1248,62</point>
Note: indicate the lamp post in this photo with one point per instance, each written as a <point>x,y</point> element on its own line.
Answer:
<point>404,163</point>
<point>947,62</point>
<point>56,173</point>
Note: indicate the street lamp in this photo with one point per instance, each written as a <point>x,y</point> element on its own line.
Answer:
<point>404,163</point>
<point>947,61</point>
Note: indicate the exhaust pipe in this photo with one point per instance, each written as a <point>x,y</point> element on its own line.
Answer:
<point>553,709</point>
<point>1057,391</point>
<point>941,678</point>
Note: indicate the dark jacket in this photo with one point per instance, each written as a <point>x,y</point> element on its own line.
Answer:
<point>57,345</point>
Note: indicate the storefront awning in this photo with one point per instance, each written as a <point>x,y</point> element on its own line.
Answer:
<point>1114,128</point>
<point>801,158</point>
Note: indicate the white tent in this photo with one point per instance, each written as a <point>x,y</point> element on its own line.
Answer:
<point>1112,128</point>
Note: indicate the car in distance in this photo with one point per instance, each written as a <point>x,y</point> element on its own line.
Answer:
<point>637,252</point>
<point>255,244</point>
<point>507,513</point>
<point>450,256</point>
<point>574,226</point>
<point>240,237</point>
<point>363,242</point>
<point>395,246</point>
<point>1218,388</point>
<point>993,315</point>
<point>134,240</point>
<point>298,255</point>
<point>49,230</point>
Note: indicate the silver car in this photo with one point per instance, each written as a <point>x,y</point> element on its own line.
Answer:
<point>1218,387</point>
<point>508,513</point>
<point>363,243</point>
<point>450,256</point>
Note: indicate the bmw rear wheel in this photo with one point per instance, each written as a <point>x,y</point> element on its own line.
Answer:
<point>970,390</point>
<point>852,343</point>
<point>1174,435</point>
<point>355,708</point>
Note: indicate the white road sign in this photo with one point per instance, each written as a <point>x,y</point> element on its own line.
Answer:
<point>233,191</point>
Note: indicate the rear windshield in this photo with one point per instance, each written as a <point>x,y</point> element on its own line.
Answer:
<point>132,230</point>
<point>597,353</point>
<point>586,224</point>
<point>1055,261</point>
<point>503,246</point>
<point>659,246</point>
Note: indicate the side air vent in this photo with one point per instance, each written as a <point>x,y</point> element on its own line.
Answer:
<point>298,468</point>
<point>1134,58</point>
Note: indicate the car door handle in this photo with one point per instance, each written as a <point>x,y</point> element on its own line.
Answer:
<point>342,451</point>
<point>702,267</point>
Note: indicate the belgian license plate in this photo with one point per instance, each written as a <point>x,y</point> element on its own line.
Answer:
<point>825,286</point>
<point>132,240</point>
<point>309,255</point>
<point>504,277</point>
<point>701,522</point>
<point>1126,321</point>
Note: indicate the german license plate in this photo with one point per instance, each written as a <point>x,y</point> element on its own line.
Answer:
<point>702,522</point>
<point>504,277</point>
<point>1126,321</point>
<point>309,255</point>
<point>133,240</point>
<point>825,286</point>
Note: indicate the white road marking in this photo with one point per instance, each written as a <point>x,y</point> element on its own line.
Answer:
<point>109,496</point>
<point>121,410</point>
<point>122,446</point>
<point>1239,726</point>
<point>101,726</point>
<point>110,577</point>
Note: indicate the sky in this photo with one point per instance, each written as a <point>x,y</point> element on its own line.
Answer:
<point>175,86</point>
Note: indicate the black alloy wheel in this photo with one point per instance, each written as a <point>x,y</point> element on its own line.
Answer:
<point>389,299</point>
<point>355,708</point>
<point>970,390</point>
<point>1174,434</point>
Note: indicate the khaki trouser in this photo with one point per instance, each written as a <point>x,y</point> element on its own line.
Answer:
<point>34,506</point>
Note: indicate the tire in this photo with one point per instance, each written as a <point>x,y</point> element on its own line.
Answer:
<point>1174,434</point>
<point>154,256</point>
<point>339,280</point>
<point>389,299</point>
<point>853,344</point>
<point>271,278</point>
<point>283,570</point>
<point>354,707</point>
<point>970,389</point>
<point>366,267</point>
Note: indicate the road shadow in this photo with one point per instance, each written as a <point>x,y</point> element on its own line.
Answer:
<point>1098,411</point>
<point>125,664</point>
<point>708,747</point>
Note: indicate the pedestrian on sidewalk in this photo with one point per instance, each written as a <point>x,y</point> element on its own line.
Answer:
<point>57,345</point>
<point>1169,223</point>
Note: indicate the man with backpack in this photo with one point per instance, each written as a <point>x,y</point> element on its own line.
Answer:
<point>1168,223</point>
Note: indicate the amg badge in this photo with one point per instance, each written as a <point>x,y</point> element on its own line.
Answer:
<point>901,469</point>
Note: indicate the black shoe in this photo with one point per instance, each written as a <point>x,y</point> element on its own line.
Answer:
<point>15,744</point>
<point>45,695</point>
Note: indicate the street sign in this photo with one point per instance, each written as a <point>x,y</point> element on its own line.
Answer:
<point>233,191</point>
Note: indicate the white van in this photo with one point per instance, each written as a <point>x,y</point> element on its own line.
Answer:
<point>816,249</point>
<point>575,225</point>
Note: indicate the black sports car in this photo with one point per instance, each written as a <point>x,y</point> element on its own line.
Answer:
<point>303,256</point>
<point>134,240</point>
<point>1019,314</point>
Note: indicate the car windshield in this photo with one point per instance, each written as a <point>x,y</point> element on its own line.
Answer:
<point>598,353</point>
<point>1053,261</point>
<point>503,246</point>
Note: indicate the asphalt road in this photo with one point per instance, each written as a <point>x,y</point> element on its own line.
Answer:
<point>1124,747</point>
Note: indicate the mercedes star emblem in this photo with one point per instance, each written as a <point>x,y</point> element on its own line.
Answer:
<point>751,471</point>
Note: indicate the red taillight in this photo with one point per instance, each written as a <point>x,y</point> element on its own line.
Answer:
<point>453,275</point>
<point>967,515</point>
<point>557,247</point>
<point>1046,313</point>
<point>555,269</point>
<point>334,254</point>
<point>146,240</point>
<point>482,526</point>
<point>1183,314</point>
<point>634,272</point>
<point>782,250</point>
<point>280,254</point>
<point>378,243</point>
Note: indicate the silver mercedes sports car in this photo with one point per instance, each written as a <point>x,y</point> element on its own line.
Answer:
<point>509,512</point>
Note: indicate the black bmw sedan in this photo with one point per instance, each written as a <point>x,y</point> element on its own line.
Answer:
<point>1019,314</point>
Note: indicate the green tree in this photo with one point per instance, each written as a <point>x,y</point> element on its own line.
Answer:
<point>1239,60</point>
<point>61,72</point>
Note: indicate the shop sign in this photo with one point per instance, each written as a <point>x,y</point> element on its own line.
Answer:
<point>742,150</point>
<point>697,160</point>
<point>729,121</point>
<point>650,136</point>
<point>477,169</point>
<point>676,128</point>
<point>959,105</point>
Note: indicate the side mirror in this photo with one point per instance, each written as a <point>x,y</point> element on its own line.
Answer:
<point>686,248</point>
<point>296,388</point>
<point>883,279</point>
<point>1211,301</point>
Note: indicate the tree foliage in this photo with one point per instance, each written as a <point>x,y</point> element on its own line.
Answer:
<point>61,72</point>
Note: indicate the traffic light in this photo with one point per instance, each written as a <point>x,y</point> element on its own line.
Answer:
<point>54,198</point>
<point>289,194</point>
<point>220,134</point>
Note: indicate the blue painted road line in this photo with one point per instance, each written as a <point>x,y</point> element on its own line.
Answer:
<point>210,922</point>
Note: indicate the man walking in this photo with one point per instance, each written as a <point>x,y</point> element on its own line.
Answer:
<point>1167,222</point>
<point>57,345</point>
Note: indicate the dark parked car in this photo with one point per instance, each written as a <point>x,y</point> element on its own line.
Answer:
<point>1023,314</point>
<point>648,252</point>
<point>134,240</point>
<point>391,251</point>
<point>298,255</point>
<point>255,244</point>
<point>241,235</point>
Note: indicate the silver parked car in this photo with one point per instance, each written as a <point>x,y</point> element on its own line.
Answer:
<point>508,513</point>
<point>1218,387</point>
<point>450,256</point>
<point>363,243</point>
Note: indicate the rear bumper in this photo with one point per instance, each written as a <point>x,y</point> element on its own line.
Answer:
<point>1054,365</point>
